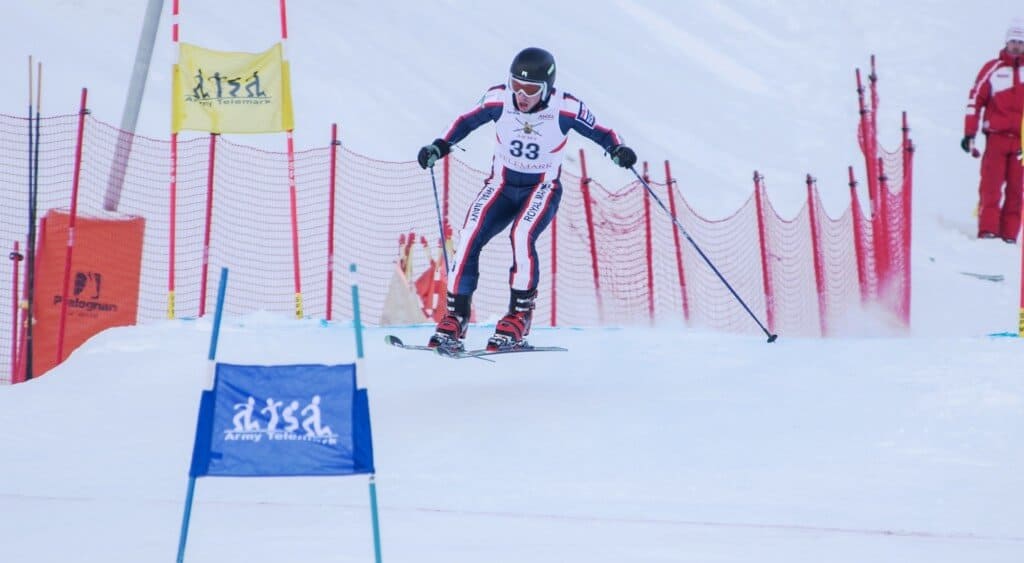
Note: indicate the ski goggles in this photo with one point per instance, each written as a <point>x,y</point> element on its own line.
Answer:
<point>528,88</point>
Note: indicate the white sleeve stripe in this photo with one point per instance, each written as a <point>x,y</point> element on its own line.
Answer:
<point>973,97</point>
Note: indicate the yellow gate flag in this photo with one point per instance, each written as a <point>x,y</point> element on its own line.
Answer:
<point>225,92</point>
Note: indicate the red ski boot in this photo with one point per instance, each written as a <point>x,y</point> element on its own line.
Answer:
<point>511,330</point>
<point>450,332</point>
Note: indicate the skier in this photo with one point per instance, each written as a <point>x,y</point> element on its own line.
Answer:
<point>998,92</point>
<point>532,121</point>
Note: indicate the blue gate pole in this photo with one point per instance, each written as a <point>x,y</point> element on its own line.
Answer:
<point>187,517</point>
<point>357,322</point>
<point>373,515</point>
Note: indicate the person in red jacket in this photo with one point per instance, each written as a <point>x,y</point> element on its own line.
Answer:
<point>996,103</point>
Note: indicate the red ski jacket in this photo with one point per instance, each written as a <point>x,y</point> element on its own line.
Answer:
<point>997,91</point>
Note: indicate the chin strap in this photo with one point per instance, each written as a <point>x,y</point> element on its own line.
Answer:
<point>542,105</point>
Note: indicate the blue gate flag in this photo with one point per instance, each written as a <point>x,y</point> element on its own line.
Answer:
<point>283,421</point>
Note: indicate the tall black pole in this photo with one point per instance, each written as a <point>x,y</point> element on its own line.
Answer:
<point>33,206</point>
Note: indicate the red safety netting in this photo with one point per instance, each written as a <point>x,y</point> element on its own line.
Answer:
<point>610,257</point>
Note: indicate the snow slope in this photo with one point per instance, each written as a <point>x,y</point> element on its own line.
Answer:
<point>661,444</point>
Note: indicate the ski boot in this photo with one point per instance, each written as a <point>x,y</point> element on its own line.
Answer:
<point>451,330</point>
<point>510,332</point>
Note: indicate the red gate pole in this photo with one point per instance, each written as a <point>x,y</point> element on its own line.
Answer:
<point>172,230</point>
<point>292,189</point>
<point>293,203</point>
<point>908,188</point>
<point>71,229</point>
<point>867,146</point>
<point>589,212</point>
<point>819,257</point>
<point>649,247</point>
<point>873,79</point>
<point>173,191</point>
<point>872,126</point>
<point>669,182</point>
<point>211,161</point>
<point>330,219</point>
<point>883,259</point>
<point>766,276</point>
<point>858,239</point>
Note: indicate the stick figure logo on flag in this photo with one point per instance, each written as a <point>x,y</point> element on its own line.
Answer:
<point>272,421</point>
<point>229,92</point>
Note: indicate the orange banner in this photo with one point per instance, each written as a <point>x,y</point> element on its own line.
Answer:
<point>104,285</point>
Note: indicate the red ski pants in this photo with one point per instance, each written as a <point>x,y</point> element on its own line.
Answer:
<point>999,211</point>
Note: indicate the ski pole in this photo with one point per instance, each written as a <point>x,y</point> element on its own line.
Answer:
<point>440,222</point>
<point>771,337</point>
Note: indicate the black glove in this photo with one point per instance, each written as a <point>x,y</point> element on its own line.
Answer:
<point>965,143</point>
<point>623,156</point>
<point>431,153</point>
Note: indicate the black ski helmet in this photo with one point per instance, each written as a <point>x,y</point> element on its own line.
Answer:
<point>536,65</point>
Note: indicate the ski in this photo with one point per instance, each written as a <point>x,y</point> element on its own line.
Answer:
<point>986,277</point>
<point>460,354</point>
<point>397,342</point>
<point>440,351</point>
<point>482,353</point>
